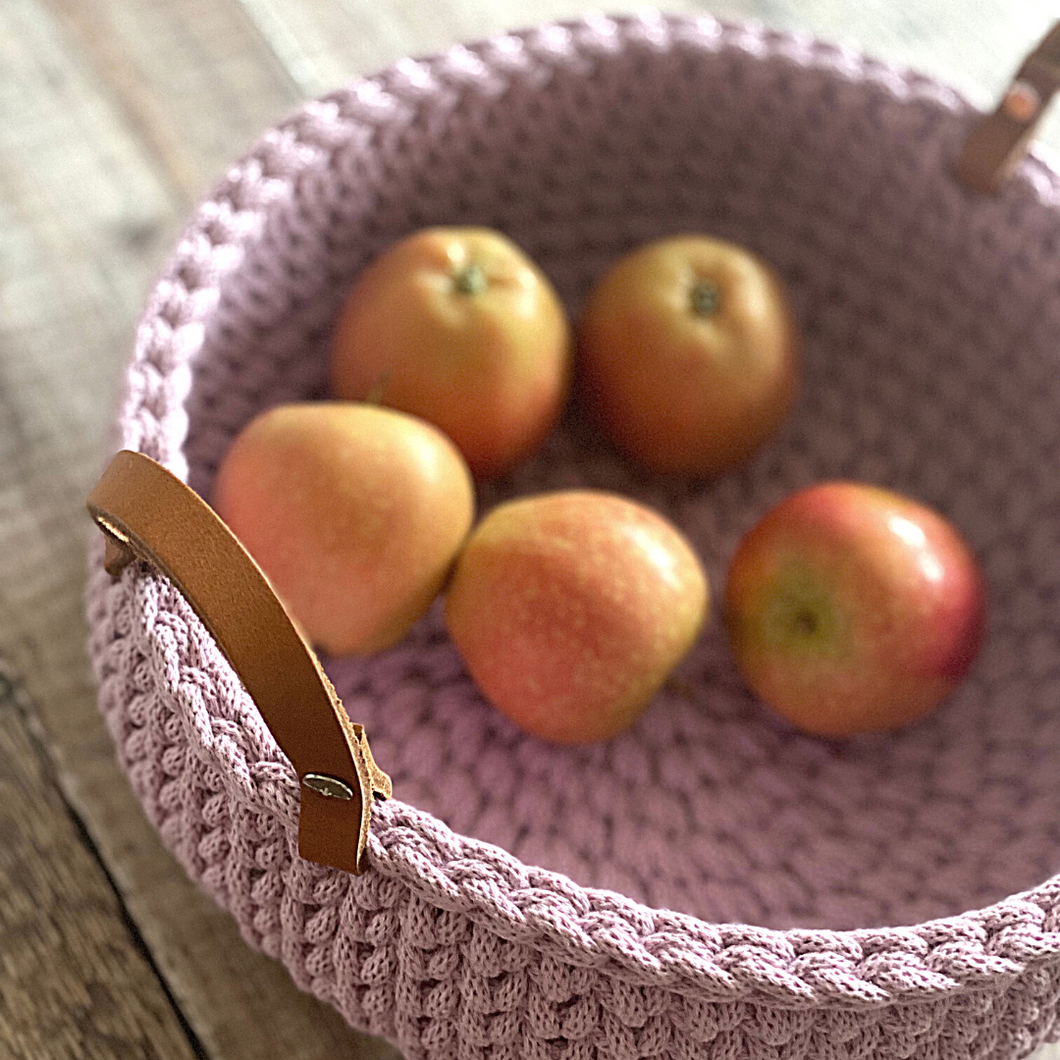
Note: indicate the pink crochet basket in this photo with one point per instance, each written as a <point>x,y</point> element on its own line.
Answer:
<point>710,884</point>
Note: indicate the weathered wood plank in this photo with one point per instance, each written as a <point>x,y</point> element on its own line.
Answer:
<point>74,981</point>
<point>92,191</point>
<point>192,80</point>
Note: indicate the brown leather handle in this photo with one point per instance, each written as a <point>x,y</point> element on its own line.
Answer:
<point>998,142</point>
<point>147,513</point>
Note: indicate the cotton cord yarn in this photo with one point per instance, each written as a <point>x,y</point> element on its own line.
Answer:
<point>709,884</point>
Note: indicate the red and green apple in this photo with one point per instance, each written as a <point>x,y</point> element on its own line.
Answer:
<point>852,609</point>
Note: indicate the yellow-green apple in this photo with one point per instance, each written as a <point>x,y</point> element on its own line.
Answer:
<point>459,327</point>
<point>570,609</point>
<point>355,513</point>
<point>851,609</point>
<point>688,354</point>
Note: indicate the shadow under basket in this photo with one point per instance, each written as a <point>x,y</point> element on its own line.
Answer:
<point>711,883</point>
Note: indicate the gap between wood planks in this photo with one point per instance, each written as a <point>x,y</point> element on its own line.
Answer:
<point>79,981</point>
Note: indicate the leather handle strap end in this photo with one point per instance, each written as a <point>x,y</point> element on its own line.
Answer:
<point>999,140</point>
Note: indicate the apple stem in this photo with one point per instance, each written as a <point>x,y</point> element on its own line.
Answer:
<point>470,279</point>
<point>377,389</point>
<point>706,298</point>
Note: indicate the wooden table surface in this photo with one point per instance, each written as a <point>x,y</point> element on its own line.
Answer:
<point>115,117</point>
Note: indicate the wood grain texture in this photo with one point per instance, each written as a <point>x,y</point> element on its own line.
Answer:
<point>115,115</point>
<point>191,80</point>
<point>91,196</point>
<point>74,981</point>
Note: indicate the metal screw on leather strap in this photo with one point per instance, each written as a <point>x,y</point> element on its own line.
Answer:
<point>998,141</point>
<point>148,514</point>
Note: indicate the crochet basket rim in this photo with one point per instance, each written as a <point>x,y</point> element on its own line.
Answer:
<point>598,929</point>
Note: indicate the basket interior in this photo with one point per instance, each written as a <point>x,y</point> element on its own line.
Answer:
<point>932,333</point>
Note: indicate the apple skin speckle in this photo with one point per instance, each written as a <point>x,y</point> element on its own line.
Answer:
<point>355,514</point>
<point>458,326</point>
<point>689,354</point>
<point>570,609</point>
<point>851,609</point>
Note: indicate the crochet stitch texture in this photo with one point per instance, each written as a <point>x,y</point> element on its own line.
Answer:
<point>710,884</point>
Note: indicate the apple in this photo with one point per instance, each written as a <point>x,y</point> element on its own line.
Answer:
<point>459,327</point>
<point>571,608</point>
<point>851,609</point>
<point>688,355</point>
<point>355,513</point>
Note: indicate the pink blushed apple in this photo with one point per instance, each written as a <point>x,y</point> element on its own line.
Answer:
<point>851,609</point>
<point>355,513</point>
<point>688,354</point>
<point>570,610</point>
<point>459,327</point>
